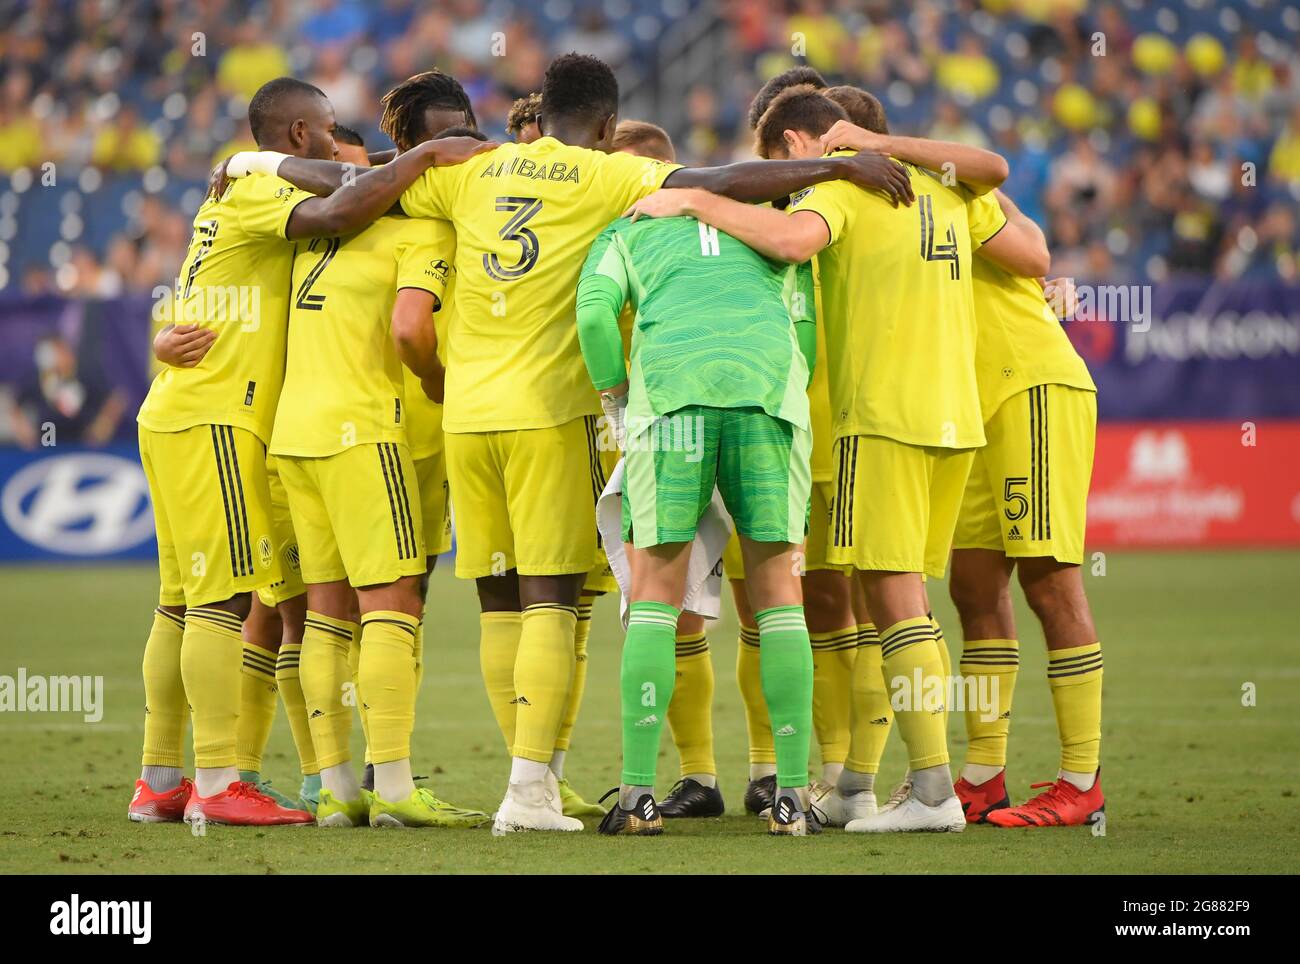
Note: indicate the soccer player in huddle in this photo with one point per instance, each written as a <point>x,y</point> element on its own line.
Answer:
<point>740,384</point>
<point>519,413</point>
<point>690,715</point>
<point>203,431</point>
<point>901,336</point>
<point>1026,370</point>
<point>521,122</point>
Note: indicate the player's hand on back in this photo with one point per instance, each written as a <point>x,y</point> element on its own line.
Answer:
<point>1061,297</point>
<point>846,134</point>
<point>217,180</point>
<point>876,172</point>
<point>183,346</point>
<point>434,385</point>
<point>668,202</point>
<point>446,151</point>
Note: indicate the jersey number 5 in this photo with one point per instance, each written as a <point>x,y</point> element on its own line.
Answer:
<point>306,300</point>
<point>523,210</point>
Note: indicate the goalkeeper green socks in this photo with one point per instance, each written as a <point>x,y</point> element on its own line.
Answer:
<point>786,666</point>
<point>648,672</point>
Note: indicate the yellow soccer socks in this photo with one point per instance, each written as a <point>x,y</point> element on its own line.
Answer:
<point>328,690</point>
<point>872,716</point>
<point>543,673</point>
<point>211,651</point>
<point>289,680</point>
<point>911,659</point>
<point>165,709</point>
<point>578,685</point>
<point>1075,676</point>
<point>498,648</point>
<point>989,668</point>
<point>762,748</point>
<point>257,699</point>
<point>386,687</point>
<point>690,714</point>
<point>834,654</point>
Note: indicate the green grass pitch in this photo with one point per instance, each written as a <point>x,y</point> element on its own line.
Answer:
<point>1195,781</point>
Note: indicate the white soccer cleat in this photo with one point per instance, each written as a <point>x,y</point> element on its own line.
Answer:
<point>833,809</point>
<point>533,806</point>
<point>913,816</point>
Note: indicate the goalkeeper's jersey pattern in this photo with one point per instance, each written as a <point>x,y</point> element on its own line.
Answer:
<point>344,383</point>
<point>234,280</point>
<point>900,316</point>
<point>1020,343</point>
<point>714,319</point>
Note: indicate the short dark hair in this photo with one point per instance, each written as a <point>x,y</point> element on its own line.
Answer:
<point>650,140</point>
<point>460,130</point>
<point>579,86</point>
<point>523,112</point>
<point>346,135</point>
<point>405,106</point>
<point>787,78</point>
<point>864,109</point>
<point>798,108</point>
<point>272,98</point>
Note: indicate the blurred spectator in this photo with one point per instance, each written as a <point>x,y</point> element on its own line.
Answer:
<point>126,145</point>
<point>251,61</point>
<point>77,407</point>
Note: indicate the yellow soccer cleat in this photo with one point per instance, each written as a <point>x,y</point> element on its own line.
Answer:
<point>333,812</point>
<point>422,809</point>
<point>572,804</point>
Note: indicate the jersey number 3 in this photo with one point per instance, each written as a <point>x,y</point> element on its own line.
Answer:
<point>522,210</point>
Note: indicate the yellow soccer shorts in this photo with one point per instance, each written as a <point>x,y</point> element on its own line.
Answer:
<point>212,513</point>
<point>601,578</point>
<point>435,502</point>
<point>1028,490</point>
<point>815,546</point>
<point>526,499</point>
<point>895,505</point>
<point>285,543</point>
<point>357,514</point>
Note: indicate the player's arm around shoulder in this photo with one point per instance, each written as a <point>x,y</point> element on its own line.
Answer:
<point>768,231</point>
<point>424,250</point>
<point>1006,237</point>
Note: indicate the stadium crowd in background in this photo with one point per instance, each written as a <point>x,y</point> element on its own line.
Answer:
<point>1131,160</point>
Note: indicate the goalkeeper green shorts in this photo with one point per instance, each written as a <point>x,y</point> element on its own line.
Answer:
<point>758,462</point>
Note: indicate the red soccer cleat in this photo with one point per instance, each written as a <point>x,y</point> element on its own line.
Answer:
<point>166,807</point>
<point>1063,805</point>
<point>241,804</point>
<point>979,800</point>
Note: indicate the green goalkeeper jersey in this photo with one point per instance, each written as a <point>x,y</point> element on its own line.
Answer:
<point>717,324</point>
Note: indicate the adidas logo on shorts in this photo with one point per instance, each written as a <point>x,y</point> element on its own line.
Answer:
<point>1015,535</point>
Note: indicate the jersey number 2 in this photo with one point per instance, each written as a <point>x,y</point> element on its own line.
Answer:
<point>523,210</point>
<point>306,300</point>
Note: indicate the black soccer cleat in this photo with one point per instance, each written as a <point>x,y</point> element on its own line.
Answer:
<point>760,793</point>
<point>690,798</point>
<point>785,819</point>
<point>643,820</point>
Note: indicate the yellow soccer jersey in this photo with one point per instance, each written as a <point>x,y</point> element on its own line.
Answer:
<point>525,216</point>
<point>343,383</point>
<point>235,279</point>
<point>1021,343</point>
<point>819,397</point>
<point>900,316</point>
<point>424,422</point>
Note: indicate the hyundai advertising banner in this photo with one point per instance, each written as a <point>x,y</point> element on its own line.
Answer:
<point>73,503</point>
